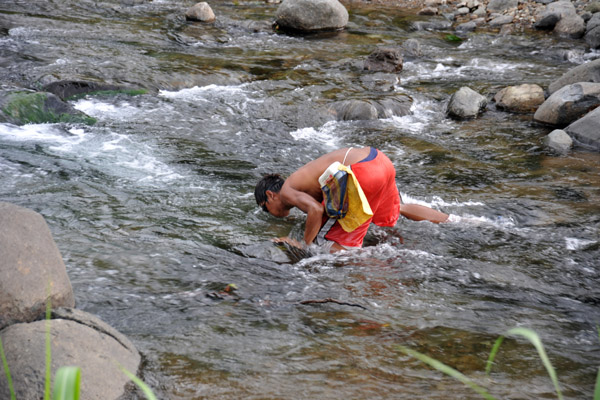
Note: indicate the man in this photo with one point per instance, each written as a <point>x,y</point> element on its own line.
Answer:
<point>377,178</point>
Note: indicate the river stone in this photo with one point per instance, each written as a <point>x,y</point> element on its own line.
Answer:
<point>22,107</point>
<point>569,103</point>
<point>311,15</point>
<point>592,34</point>
<point>397,106</point>
<point>586,130</point>
<point>200,12</point>
<point>466,103</point>
<point>349,110</point>
<point>466,27</point>
<point>69,89</point>
<point>411,49</point>
<point>572,26</point>
<point>31,267</point>
<point>501,20</point>
<point>500,6</point>
<point>384,59</point>
<point>559,141</point>
<point>97,349</point>
<point>520,99</point>
<point>588,72</point>
<point>553,13</point>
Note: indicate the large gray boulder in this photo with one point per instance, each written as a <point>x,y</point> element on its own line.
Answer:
<point>553,13</point>
<point>311,15</point>
<point>592,32</point>
<point>571,25</point>
<point>31,267</point>
<point>588,72</point>
<point>78,339</point>
<point>586,130</point>
<point>569,104</point>
<point>466,103</point>
<point>520,99</point>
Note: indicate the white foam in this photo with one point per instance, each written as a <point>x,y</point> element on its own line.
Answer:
<point>34,132</point>
<point>577,244</point>
<point>98,109</point>
<point>325,134</point>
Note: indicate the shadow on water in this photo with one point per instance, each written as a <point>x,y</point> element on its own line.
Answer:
<point>153,208</point>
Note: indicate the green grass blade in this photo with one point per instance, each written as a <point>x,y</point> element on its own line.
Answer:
<point>7,373</point>
<point>447,370</point>
<point>48,352</point>
<point>597,389</point>
<point>488,364</point>
<point>537,343</point>
<point>147,391</point>
<point>67,383</point>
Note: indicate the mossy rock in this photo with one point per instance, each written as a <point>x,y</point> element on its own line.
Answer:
<point>23,107</point>
<point>73,90</point>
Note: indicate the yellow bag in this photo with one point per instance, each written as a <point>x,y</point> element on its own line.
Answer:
<point>359,210</point>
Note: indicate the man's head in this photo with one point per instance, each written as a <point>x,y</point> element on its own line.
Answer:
<point>266,193</point>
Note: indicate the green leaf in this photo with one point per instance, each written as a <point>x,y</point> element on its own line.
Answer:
<point>7,373</point>
<point>147,391</point>
<point>537,343</point>
<point>597,389</point>
<point>447,370</point>
<point>453,38</point>
<point>67,383</point>
<point>48,350</point>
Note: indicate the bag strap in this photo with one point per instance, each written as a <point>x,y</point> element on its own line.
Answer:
<point>344,162</point>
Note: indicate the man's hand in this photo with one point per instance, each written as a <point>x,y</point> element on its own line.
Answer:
<point>289,241</point>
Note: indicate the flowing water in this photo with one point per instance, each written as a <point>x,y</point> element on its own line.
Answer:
<point>153,211</point>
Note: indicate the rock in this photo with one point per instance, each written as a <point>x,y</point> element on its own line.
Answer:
<point>384,59</point>
<point>501,20</point>
<point>568,104</point>
<point>553,13</point>
<point>586,131</point>
<point>200,12</point>
<point>92,345</point>
<point>466,27</point>
<point>31,267</point>
<point>588,72</point>
<point>68,90</point>
<point>501,6</point>
<point>572,26</point>
<point>397,106</point>
<point>592,33</point>
<point>466,103</point>
<point>559,141</point>
<point>428,11</point>
<point>311,15</point>
<point>350,110</point>
<point>593,7</point>
<point>380,81</point>
<point>22,107</point>
<point>520,99</point>
<point>547,21</point>
<point>463,11</point>
<point>411,49</point>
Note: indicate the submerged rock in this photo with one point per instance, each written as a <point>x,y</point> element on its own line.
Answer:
<point>311,15</point>
<point>31,267</point>
<point>384,59</point>
<point>25,107</point>
<point>520,99</point>
<point>586,130</point>
<point>466,103</point>
<point>559,141</point>
<point>568,104</point>
<point>349,110</point>
<point>69,89</point>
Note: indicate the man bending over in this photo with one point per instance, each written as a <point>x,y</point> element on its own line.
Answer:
<point>377,178</point>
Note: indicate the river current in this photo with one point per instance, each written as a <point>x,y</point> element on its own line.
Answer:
<point>153,211</point>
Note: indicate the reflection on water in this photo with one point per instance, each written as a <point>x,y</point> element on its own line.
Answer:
<point>154,214</point>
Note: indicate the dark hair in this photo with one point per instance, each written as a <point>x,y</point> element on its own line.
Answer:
<point>272,182</point>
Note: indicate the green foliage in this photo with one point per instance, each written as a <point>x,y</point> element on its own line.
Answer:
<point>67,383</point>
<point>48,351</point>
<point>31,108</point>
<point>453,38</point>
<point>7,372</point>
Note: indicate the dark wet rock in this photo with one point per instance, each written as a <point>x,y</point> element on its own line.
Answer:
<point>31,267</point>
<point>586,131</point>
<point>524,98</point>
<point>384,59</point>
<point>26,107</point>
<point>553,14</point>
<point>559,141</point>
<point>200,12</point>
<point>466,103</point>
<point>380,81</point>
<point>350,110</point>
<point>588,72</point>
<point>432,25</point>
<point>592,33</point>
<point>397,106</point>
<point>78,339</point>
<point>500,6</point>
<point>69,90</point>
<point>547,21</point>
<point>568,104</point>
<point>311,15</point>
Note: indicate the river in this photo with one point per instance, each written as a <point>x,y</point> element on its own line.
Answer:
<point>153,210</point>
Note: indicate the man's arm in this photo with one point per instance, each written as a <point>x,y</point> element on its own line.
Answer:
<point>312,208</point>
<point>418,212</point>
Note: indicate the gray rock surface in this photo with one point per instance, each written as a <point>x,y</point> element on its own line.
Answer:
<point>384,59</point>
<point>568,104</point>
<point>559,141</point>
<point>31,267</point>
<point>586,130</point>
<point>466,103</point>
<point>92,345</point>
<point>588,72</point>
<point>592,33</point>
<point>311,15</point>
<point>200,12</point>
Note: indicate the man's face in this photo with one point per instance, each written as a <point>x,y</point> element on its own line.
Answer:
<point>275,206</point>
